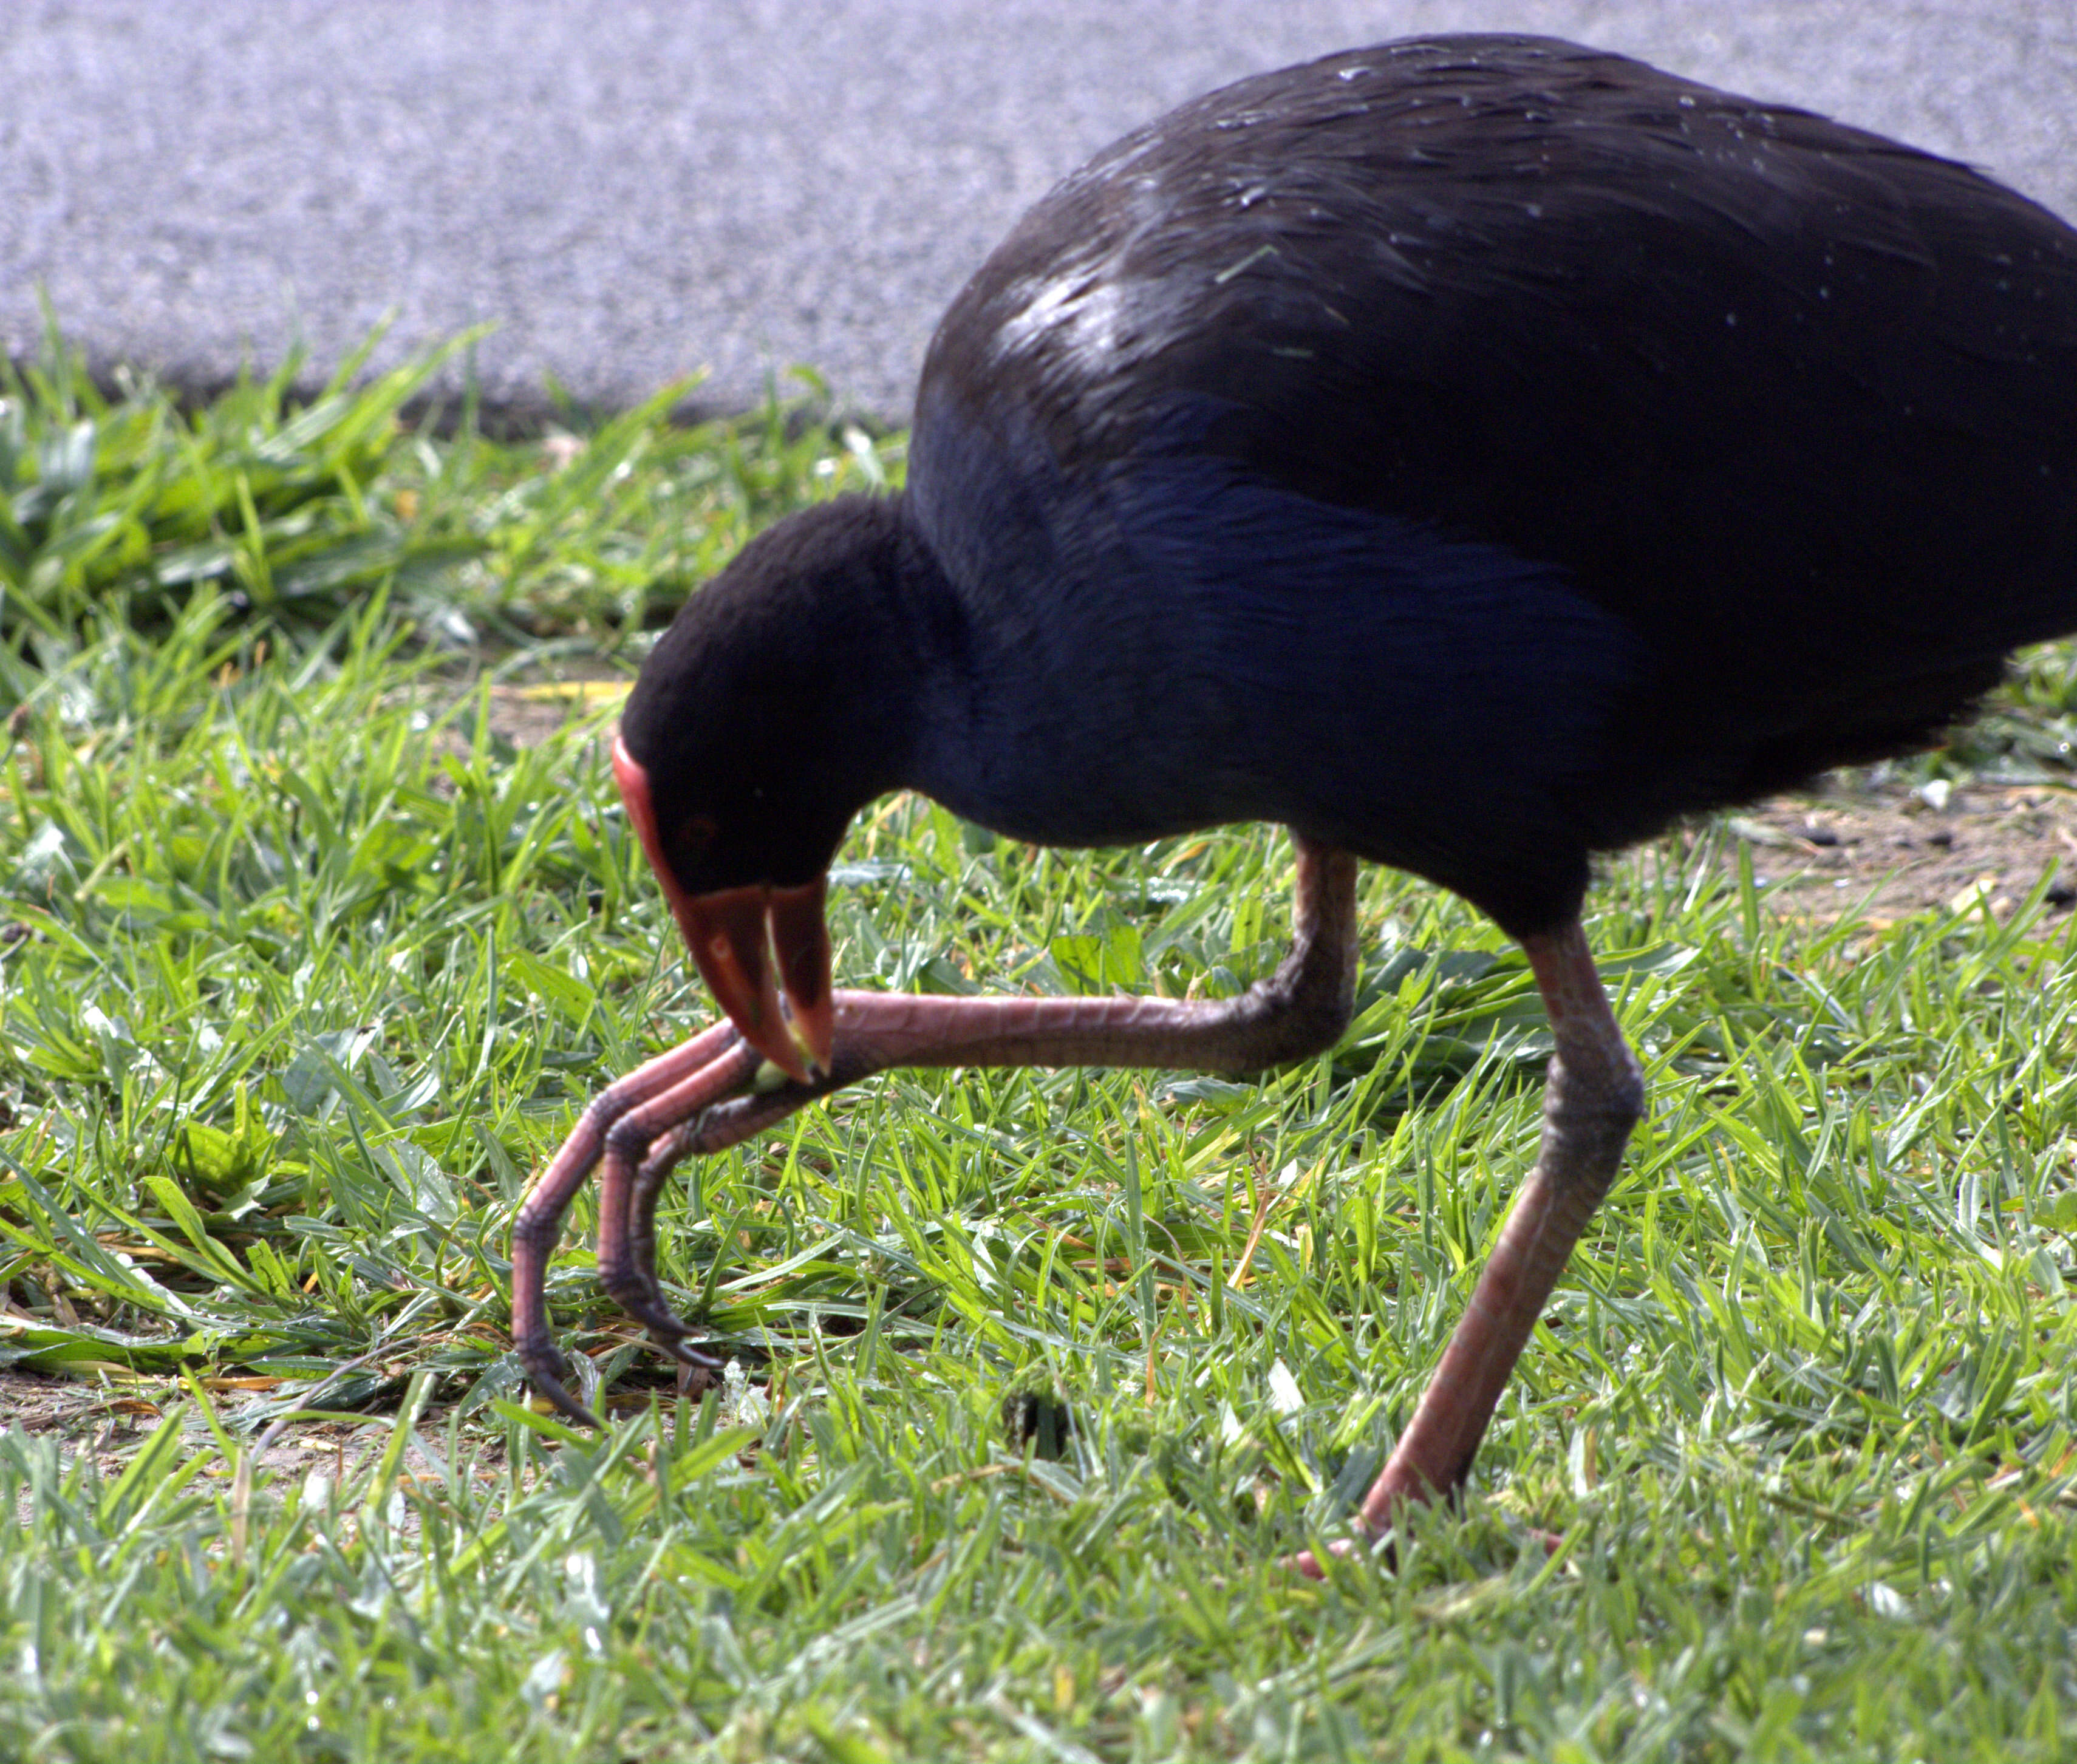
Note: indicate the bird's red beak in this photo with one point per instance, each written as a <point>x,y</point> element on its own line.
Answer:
<point>765,952</point>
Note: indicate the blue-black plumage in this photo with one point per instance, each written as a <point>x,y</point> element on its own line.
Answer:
<point>1482,406</point>
<point>1473,453</point>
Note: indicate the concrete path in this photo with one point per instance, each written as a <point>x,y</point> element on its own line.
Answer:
<point>633,190</point>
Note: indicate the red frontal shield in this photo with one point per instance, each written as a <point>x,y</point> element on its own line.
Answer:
<point>763,951</point>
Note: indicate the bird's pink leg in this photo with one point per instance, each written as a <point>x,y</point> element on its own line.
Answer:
<point>1301,1010</point>
<point>626,1246</point>
<point>540,1217</point>
<point>1592,1097</point>
<point>679,1105</point>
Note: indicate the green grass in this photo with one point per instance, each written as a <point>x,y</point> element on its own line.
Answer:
<point>306,969</point>
<point>131,505</point>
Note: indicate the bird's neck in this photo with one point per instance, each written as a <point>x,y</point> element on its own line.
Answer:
<point>895,663</point>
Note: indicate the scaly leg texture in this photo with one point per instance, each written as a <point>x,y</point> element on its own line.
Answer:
<point>691,1099</point>
<point>707,1056</point>
<point>1592,1097</point>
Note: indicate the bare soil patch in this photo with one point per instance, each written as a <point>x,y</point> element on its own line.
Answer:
<point>1892,849</point>
<point>109,1421</point>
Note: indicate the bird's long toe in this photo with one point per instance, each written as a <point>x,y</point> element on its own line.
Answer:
<point>650,1175</point>
<point>637,1292</point>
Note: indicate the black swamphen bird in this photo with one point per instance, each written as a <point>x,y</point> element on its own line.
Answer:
<point>1472,452</point>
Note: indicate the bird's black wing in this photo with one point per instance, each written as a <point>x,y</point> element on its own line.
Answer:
<point>1755,379</point>
<point>1686,445</point>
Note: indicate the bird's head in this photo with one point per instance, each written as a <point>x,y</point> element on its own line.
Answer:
<point>770,713</point>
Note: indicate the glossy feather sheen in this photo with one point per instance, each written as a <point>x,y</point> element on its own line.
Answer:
<point>1493,448</point>
<point>1471,452</point>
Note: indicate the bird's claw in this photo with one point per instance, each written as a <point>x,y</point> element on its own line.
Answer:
<point>640,1126</point>
<point>693,1359</point>
<point>640,1297</point>
<point>546,1367</point>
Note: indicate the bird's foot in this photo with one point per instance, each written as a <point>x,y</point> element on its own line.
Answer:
<point>1382,1544</point>
<point>635,1289</point>
<point>1308,1564</point>
<point>619,1126</point>
<point>1385,1548</point>
<point>547,1366</point>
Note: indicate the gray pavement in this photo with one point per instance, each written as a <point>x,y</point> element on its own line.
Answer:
<point>634,190</point>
